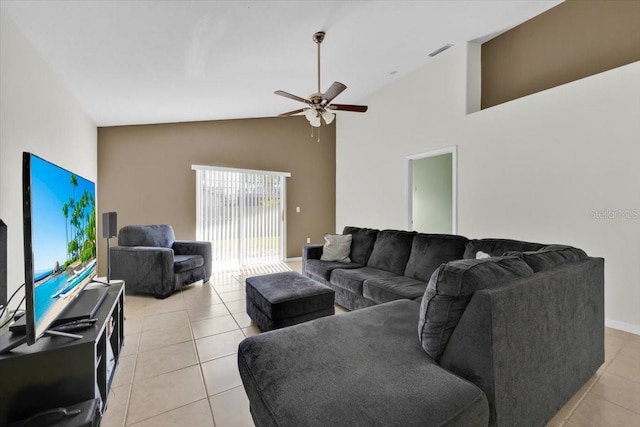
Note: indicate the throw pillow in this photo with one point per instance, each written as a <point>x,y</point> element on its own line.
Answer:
<point>449,291</point>
<point>482,255</point>
<point>336,247</point>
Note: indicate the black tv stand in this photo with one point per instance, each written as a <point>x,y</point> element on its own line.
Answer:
<point>12,340</point>
<point>58,372</point>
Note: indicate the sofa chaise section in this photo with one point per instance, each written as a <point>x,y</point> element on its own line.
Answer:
<point>293,378</point>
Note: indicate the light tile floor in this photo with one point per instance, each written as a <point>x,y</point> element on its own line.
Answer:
<point>178,365</point>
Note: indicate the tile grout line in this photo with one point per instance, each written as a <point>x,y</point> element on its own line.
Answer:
<point>204,383</point>
<point>170,410</point>
<point>136,360</point>
<point>604,367</point>
<point>207,397</point>
<point>144,315</point>
<point>126,410</point>
<point>577,405</point>
<point>599,396</point>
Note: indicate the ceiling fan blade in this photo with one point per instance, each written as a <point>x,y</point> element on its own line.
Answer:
<point>347,107</point>
<point>290,96</point>
<point>291,113</point>
<point>334,90</point>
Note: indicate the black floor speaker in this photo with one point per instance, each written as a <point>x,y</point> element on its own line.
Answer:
<point>109,224</point>
<point>3,263</point>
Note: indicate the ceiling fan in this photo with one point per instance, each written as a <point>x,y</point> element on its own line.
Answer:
<point>319,104</point>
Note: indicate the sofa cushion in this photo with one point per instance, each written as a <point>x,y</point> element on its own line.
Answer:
<point>353,279</point>
<point>497,247</point>
<point>449,291</point>
<point>146,235</point>
<point>336,247</point>
<point>428,251</point>
<point>393,288</point>
<point>323,269</point>
<point>391,251</point>
<point>551,256</point>
<point>362,240</point>
<point>183,263</point>
<point>363,368</point>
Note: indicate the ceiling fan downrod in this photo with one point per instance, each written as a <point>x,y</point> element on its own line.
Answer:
<point>318,38</point>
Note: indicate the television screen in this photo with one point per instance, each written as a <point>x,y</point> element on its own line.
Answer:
<point>60,240</point>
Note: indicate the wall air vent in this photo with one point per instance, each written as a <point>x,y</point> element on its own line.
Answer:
<point>439,51</point>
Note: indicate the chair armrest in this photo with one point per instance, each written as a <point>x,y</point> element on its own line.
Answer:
<point>193,247</point>
<point>144,269</point>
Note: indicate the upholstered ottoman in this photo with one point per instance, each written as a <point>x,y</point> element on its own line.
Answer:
<point>284,299</point>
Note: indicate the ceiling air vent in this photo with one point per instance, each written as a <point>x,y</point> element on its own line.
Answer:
<point>439,51</point>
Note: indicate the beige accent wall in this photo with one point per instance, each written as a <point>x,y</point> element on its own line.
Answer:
<point>576,39</point>
<point>144,172</point>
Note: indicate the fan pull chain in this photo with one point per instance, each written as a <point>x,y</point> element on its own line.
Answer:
<point>318,133</point>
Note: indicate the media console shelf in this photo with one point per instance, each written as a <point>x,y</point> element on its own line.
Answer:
<point>58,371</point>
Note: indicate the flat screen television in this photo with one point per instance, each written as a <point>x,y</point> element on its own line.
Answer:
<point>59,210</point>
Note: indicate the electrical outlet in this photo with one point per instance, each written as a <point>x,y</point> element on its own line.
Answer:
<point>308,239</point>
<point>298,209</point>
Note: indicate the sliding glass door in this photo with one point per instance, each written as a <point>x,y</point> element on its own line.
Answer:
<point>242,213</point>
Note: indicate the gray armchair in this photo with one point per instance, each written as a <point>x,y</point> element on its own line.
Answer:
<point>150,260</point>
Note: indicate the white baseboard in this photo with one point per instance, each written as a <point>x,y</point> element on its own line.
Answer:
<point>627,327</point>
<point>294,259</point>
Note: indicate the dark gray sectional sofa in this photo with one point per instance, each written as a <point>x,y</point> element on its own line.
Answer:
<point>442,338</point>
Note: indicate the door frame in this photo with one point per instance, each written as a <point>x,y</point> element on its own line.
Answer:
<point>453,150</point>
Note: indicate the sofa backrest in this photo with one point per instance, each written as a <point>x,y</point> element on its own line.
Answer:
<point>498,247</point>
<point>361,243</point>
<point>391,251</point>
<point>550,256</point>
<point>450,289</point>
<point>146,235</point>
<point>429,251</point>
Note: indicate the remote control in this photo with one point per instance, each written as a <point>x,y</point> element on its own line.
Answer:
<point>76,325</point>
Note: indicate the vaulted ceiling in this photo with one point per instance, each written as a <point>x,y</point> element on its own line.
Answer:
<point>139,62</point>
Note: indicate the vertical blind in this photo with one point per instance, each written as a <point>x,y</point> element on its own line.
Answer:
<point>242,213</point>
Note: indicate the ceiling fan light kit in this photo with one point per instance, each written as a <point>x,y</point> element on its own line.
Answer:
<point>318,103</point>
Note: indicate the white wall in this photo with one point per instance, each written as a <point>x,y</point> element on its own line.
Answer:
<point>37,114</point>
<point>531,169</point>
